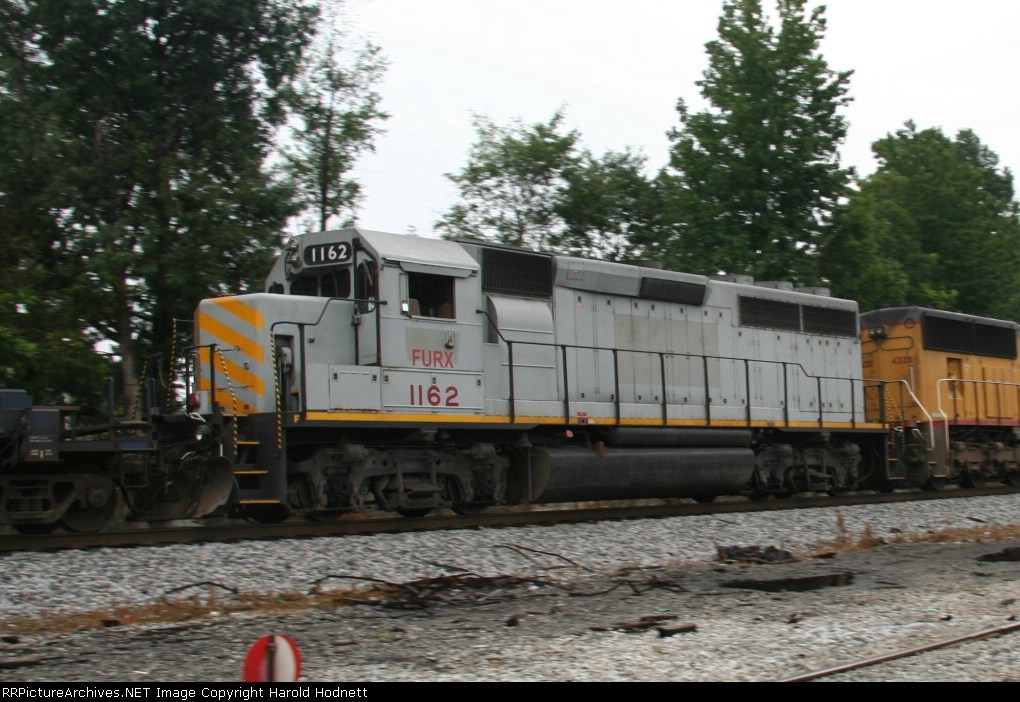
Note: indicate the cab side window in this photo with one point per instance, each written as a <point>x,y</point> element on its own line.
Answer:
<point>433,295</point>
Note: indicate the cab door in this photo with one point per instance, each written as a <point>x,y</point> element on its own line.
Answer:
<point>366,309</point>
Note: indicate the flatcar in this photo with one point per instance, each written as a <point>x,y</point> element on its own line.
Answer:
<point>60,469</point>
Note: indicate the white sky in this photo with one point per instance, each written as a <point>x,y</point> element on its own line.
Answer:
<point>617,67</point>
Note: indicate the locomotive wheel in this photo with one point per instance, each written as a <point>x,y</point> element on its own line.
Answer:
<point>1013,478</point>
<point>100,504</point>
<point>267,514</point>
<point>35,529</point>
<point>469,510</point>
<point>974,480</point>
<point>414,513</point>
<point>936,484</point>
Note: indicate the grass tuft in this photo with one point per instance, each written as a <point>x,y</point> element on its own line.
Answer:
<point>845,540</point>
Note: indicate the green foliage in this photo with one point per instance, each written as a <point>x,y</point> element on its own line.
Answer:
<point>514,184</point>
<point>47,354</point>
<point>753,180</point>
<point>608,205</point>
<point>151,121</point>
<point>536,186</point>
<point>935,225</point>
<point>338,117</point>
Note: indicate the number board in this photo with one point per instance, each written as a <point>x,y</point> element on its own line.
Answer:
<point>412,390</point>
<point>327,254</point>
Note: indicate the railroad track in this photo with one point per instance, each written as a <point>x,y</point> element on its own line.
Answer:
<point>496,517</point>
<point>906,653</point>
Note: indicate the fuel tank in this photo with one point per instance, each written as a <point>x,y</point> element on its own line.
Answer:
<point>572,474</point>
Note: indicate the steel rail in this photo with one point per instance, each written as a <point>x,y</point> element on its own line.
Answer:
<point>380,523</point>
<point>885,658</point>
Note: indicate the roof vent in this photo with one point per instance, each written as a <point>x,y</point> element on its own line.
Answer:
<point>776,285</point>
<point>821,292</point>
<point>646,263</point>
<point>739,278</point>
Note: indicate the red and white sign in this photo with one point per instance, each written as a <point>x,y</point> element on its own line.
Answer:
<point>273,659</point>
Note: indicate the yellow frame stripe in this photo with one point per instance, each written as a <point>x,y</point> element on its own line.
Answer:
<point>592,421</point>
<point>231,337</point>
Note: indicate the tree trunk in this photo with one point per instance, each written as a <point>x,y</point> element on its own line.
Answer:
<point>128,367</point>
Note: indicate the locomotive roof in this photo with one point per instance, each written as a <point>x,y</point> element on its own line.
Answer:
<point>894,315</point>
<point>400,248</point>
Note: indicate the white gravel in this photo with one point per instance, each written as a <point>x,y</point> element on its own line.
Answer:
<point>900,596</point>
<point>33,584</point>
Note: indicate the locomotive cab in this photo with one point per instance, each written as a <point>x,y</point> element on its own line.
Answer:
<point>354,325</point>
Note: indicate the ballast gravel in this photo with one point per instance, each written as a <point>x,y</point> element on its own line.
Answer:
<point>580,612</point>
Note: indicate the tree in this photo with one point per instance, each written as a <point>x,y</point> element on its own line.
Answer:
<point>607,207</point>
<point>153,120</point>
<point>753,180</point>
<point>514,184</point>
<point>939,218</point>
<point>538,187</point>
<point>338,117</point>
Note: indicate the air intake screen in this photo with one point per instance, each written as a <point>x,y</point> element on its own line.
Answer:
<point>672,291</point>
<point>824,320</point>
<point>516,273</point>
<point>968,337</point>
<point>772,314</point>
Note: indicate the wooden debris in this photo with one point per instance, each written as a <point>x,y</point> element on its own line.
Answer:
<point>667,631</point>
<point>459,588</point>
<point>12,663</point>
<point>754,554</point>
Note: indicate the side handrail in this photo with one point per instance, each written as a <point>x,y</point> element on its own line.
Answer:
<point>786,366</point>
<point>881,386</point>
<point>213,348</point>
<point>939,384</point>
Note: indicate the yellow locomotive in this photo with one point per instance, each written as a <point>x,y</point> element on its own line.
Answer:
<point>949,384</point>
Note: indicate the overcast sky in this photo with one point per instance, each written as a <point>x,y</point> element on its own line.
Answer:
<point>617,68</point>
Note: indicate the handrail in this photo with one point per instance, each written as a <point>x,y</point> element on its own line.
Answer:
<point>977,400</point>
<point>301,348</point>
<point>705,358</point>
<point>910,391</point>
<point>213,348</point>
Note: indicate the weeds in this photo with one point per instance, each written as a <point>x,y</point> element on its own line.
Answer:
<point>191,609</point>
<point>845,541</point>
